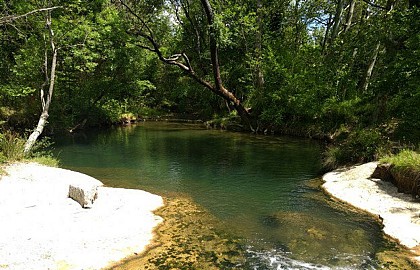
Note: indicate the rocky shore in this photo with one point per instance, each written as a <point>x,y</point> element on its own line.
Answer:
<point>399,213</point>
<point>42,228</point>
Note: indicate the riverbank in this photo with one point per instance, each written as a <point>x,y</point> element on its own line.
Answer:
<point>399,213</point>
<point>41,228</point>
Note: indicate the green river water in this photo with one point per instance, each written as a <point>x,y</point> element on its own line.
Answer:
<point>262,188</point>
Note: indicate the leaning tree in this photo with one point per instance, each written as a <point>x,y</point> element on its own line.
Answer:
<point>143,29</point>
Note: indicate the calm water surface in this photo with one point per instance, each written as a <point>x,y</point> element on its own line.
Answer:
<point>261,187</point>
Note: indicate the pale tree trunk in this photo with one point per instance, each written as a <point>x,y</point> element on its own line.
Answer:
<point>327,31</point>
<point>337,19</point>
<point>366,80</point>
<point>45,97</point>
<point>369,70</point>
<point>350,15</point>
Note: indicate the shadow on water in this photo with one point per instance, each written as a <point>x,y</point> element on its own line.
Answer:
<point>252,203</point>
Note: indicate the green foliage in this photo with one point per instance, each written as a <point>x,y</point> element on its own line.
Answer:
<point>46,160</point>
<point>11,146</point>
<point>277,57</point>
<point>42,148</point>
<point>3,158</point>
<point>404,160</point>
<point>15,91</point>
<point>356,146</point>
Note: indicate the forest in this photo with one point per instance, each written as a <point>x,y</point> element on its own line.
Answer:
<point>345,71</point>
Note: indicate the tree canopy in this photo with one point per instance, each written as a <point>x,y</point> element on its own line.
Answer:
<point>346,67</point>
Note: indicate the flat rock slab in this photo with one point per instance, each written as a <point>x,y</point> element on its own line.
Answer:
<point>400,213</point>
<point>41,228</point>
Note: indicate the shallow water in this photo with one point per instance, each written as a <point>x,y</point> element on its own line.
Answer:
<point>260,188</point>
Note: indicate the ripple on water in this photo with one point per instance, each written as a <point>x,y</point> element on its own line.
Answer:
<point>276,260</point>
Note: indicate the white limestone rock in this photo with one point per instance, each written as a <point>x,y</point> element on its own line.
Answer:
<point>84,191</point>
<point>85,195</point>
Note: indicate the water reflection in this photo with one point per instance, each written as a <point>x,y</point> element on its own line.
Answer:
<point>258,187</point>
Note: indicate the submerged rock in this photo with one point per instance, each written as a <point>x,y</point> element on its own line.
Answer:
<point>189,238</point>
<point>314,239</point>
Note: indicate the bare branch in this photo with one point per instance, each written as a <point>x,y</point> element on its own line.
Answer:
<point>187,61</point>
<point>11,18</point>
<point>144,24</point>
<point>174,57</point>
<point>146,48</point>
<point>320,21</point>
<point>176,6</point>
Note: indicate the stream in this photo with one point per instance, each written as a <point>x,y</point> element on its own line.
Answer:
<point>262,189</point>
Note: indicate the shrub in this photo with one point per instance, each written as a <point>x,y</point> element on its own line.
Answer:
<point>3,159</point>
<point>41,148</point>
<point>11,146</point>
<point>357,146</point>
<point>333,156</point>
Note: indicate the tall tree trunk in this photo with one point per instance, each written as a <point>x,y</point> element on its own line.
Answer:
<point>297,26</point>
<point>327,31</point>
<point>182,61</point>
<point>229,96</point>
<point>370,68</point>
<point>337,19</point>
<point>259,82</point>
<point>350,15</point>
<point>49,80</point>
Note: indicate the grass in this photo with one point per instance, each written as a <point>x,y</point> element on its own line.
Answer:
<point>405,160</point>
<point>11,150</point>
<point>11,147</point>
<point>45,160</point>
<point>405,169</point>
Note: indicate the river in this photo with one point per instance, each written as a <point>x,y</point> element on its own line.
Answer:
<point>264,189</point>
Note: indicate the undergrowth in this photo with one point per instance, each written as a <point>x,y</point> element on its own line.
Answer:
<point>11,150</point>
<point>356,146</point>
<point>404,160</point>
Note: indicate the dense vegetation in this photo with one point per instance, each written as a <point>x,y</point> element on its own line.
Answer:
<point>346,68</point>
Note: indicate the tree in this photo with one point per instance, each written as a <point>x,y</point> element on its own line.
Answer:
<point>182,61</point>
<point>50,71</point>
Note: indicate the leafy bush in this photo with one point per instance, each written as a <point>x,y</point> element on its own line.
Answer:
<point>362,145</point>
<point>11,146</point>
<point>3,159</point>
<point>41,149</point>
